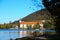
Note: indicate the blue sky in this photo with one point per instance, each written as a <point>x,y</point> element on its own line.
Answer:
<point>11,10</point>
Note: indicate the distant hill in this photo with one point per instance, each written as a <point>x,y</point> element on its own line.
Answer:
<point>43,14</point>
<point>35,16</point>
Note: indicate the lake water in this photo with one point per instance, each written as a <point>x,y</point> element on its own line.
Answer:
<point>7,34</point>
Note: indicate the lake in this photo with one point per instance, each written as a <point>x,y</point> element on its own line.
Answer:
<point>7,34</point>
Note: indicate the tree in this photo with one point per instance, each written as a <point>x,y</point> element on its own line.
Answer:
<point>29,26</point>
<point>53,6</point>
<point>18,25</point>
<point>36,26</point>
<point>49,24</point>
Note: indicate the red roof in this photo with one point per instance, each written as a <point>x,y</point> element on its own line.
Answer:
<point>30,22</point>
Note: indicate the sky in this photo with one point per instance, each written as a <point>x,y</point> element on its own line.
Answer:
<point>12,10</point>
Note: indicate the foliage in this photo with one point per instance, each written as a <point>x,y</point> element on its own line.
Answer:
<point>36,26</point>
<point>8,25</point>
<point>54,7</point>
<point>29,26</point>
<point>49,24</point>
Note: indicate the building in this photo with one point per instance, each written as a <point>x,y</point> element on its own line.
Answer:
<point>24,24</point>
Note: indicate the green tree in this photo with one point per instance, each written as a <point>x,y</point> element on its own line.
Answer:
<point>54,6</point>
<point>29,27</point>
<point>36,26</point>
<point>49,24</point>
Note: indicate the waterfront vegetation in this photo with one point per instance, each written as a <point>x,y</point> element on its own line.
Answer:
<point>8,25</point>
<point>48,24</point>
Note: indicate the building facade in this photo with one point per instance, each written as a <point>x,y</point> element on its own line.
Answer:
<point>25,25</point>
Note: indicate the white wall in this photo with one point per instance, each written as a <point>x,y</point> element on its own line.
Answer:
<point>32,25</point>
<point>41,26</point>
<point>21,25</point>
<point>25,25</point>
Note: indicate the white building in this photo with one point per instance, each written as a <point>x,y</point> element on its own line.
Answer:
<point>24,24</point>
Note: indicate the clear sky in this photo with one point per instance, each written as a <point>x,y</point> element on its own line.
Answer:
<point>11,10</point>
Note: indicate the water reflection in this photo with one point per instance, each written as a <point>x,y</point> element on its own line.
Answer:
<point>7,34</point>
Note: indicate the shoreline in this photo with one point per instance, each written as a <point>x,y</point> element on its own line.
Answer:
<point>47,37</point>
